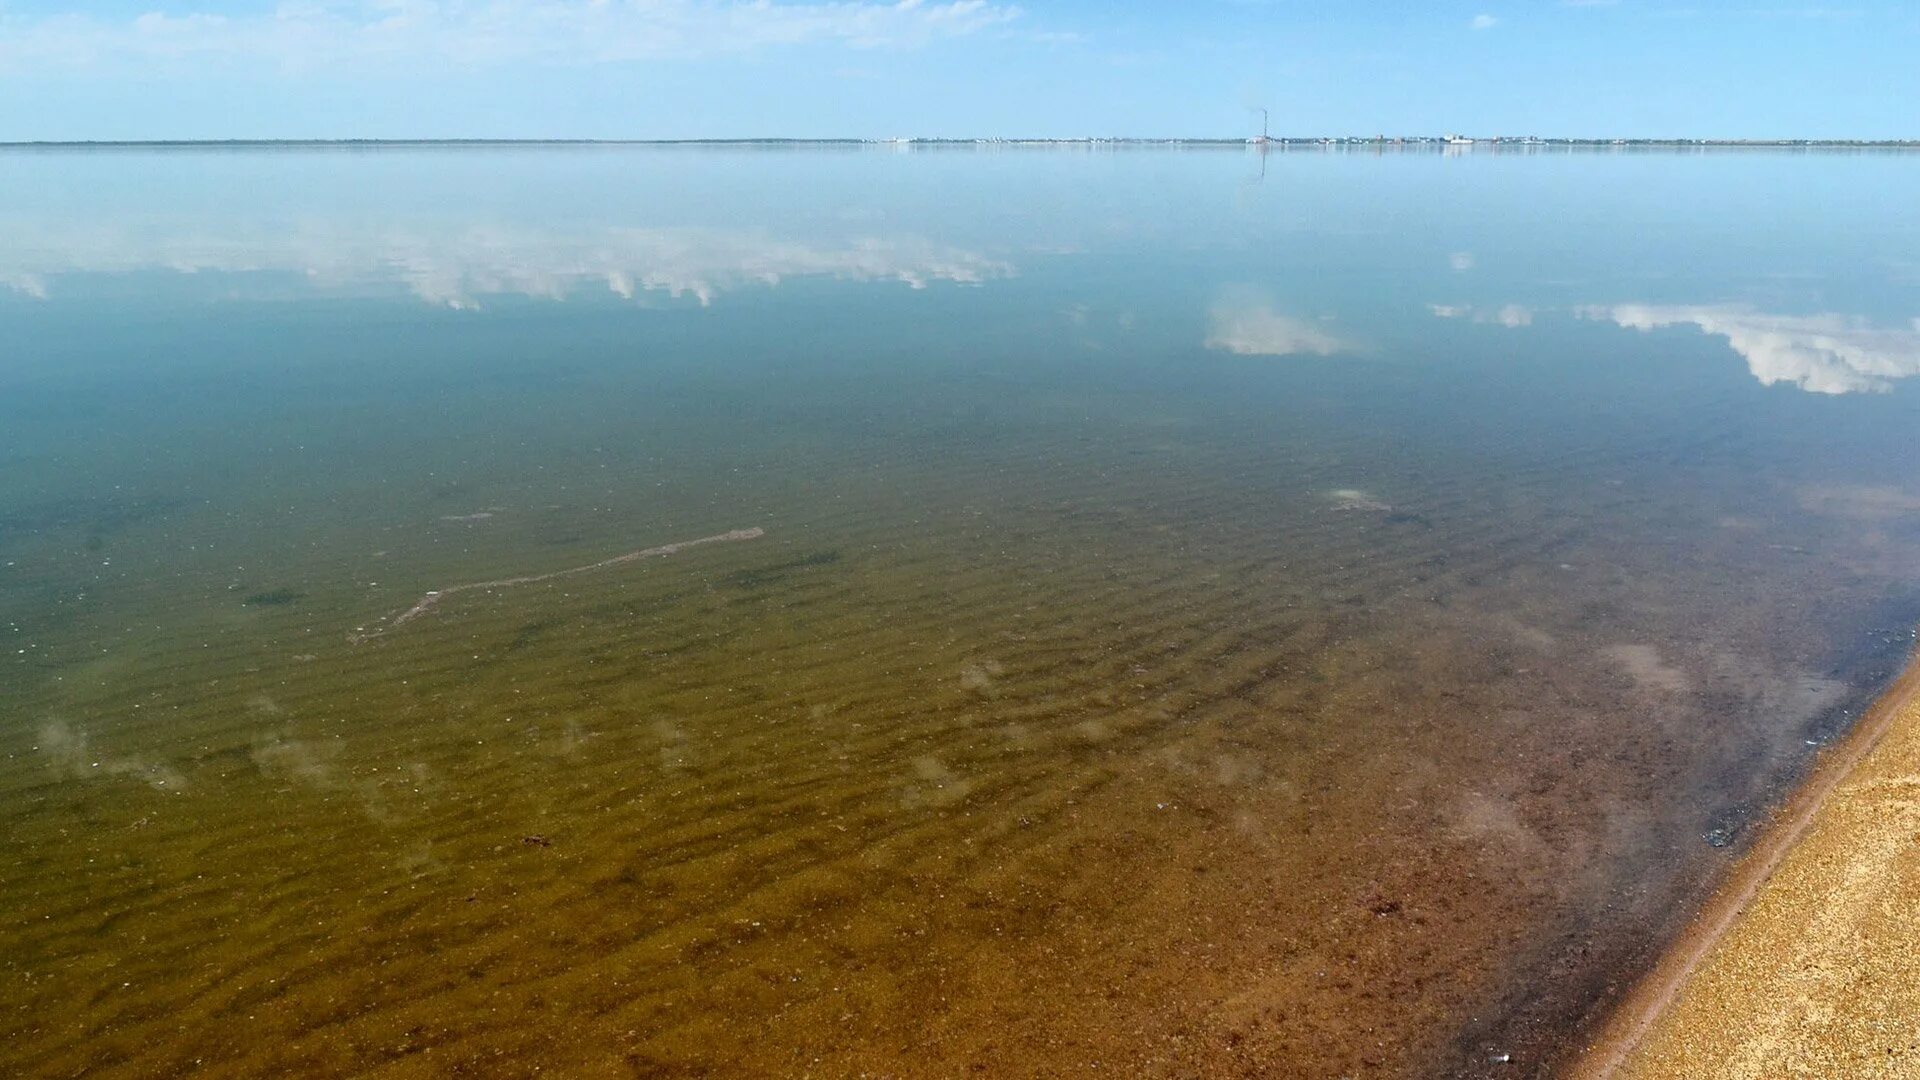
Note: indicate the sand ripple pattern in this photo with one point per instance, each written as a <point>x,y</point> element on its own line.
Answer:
<point>1005,758</point>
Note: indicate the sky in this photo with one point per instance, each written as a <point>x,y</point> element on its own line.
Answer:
<point>199,69</point>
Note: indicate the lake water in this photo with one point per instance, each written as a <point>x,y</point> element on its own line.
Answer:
<point>1211,614</point>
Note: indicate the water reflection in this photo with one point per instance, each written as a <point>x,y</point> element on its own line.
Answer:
<point>1244,323</point>
<point>1511,316</point>
<point>458,264</point>
<point>1080,703</point>
<point>1823,353</point>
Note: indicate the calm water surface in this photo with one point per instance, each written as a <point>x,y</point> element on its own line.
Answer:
<point>1328,615</point>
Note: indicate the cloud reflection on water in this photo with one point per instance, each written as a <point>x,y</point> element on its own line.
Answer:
<point>1822,354</point>
<point>1511,316</point>
<point>456,266</point>
<point>1244,324</point>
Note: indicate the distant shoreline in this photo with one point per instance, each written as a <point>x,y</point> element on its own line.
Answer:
<point>1399,143</point>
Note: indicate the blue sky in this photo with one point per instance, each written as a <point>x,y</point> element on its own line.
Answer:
<point>686,68</point>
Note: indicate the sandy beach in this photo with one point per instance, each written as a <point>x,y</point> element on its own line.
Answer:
<point>1807,962</point>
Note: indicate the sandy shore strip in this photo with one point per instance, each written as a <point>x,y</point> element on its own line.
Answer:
<point>1807,961</point>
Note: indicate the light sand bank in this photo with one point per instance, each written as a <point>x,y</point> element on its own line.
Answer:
<point>1807,962</point>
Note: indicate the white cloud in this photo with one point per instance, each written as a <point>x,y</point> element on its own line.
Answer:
<point>1248,326</point>
<point>1484,21</point>
<point>1461,260</point>
<point>458,263</point>
<point>1822,354</point>
<point>478,32</point>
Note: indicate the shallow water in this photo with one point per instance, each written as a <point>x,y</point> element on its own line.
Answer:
<point>1317,615</point>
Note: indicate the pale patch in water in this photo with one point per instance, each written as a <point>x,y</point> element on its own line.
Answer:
<point>1781,696</point>
<point>294,760</point>
<point>419,860</point>
<point>572,739</point>
<point>1355,499</point>
<point>675,747</point>
<point>980,677</point>
<point>938,785</point>
<point>68,753</point>
<point>1494,821</point>
<point>311,765</point>
<point>1094,730</point>
<point>1644,665</point>
<point>1236,770</point>
<point>1861,502</point>
<point>1535,638</point>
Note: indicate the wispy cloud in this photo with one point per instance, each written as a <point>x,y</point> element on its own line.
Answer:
<point>1821,354</point>
<point>1758,13</point>
<point>477,32</point>
<point>1243,323</point>
<point>1484,21</point>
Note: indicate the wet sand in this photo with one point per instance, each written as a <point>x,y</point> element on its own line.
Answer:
<point>1807,961</point>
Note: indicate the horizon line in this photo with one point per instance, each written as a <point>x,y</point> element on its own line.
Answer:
<point>1415,141</point>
